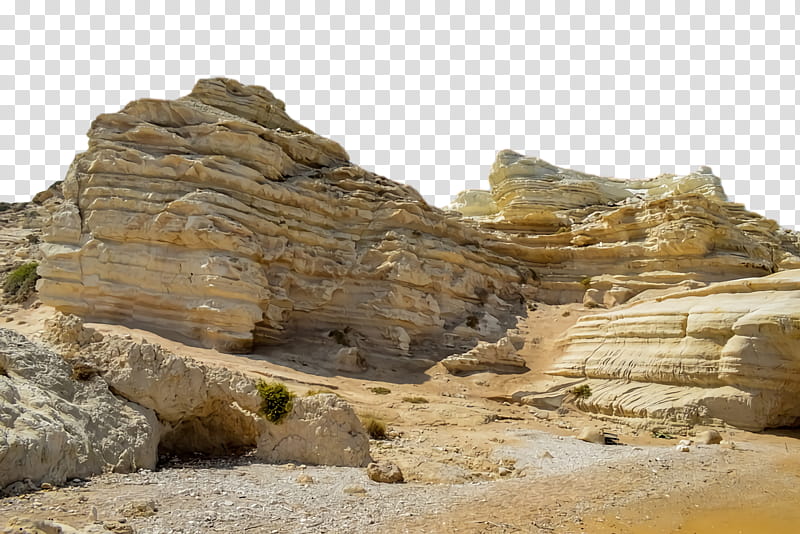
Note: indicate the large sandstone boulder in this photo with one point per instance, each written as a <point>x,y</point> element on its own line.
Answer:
<point>218,218</point>
<point>54,427</point>
<point>729,352</point>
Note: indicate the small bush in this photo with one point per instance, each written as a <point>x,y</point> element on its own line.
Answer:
<point>276,400</point>
<point>21,282</point>
<point>375,427</point>
<point>581,392</point>
<point>586,282</point>
<point>415,400</point>
<point>380,390</point>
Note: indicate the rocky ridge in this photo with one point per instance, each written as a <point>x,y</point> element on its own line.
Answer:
<point>622,237</point>
<point>218,218</point>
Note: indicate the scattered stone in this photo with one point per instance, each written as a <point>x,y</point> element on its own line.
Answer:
<point>354,490</point>
<point>134,509</point>
<point>385,472</point>
<point>708,437</point>
<point>46,486</point>
<point>118,527</point>
<point>350,360</point>
<point>305,479</point>
<point>592,435</point>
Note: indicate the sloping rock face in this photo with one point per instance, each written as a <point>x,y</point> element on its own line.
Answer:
<point>623,236</point>
<point>54,426</point>
<point>219,218</point>
<point>729,352</point>
<point>211,410</point>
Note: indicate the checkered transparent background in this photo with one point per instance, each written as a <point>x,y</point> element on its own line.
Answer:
<point>426,92</point>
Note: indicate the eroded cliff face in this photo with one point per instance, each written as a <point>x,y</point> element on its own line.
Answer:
<point>219,218</point>
<point>724,353</point>
<point>622,237</point>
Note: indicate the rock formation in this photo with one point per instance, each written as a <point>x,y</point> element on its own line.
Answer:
<point>114,404</point>
<point>211,409</point>
<point>219,218</point>
<point>622,237</point>
<point>728,353</point>
<point>496,357</point>
<point>54,426</point>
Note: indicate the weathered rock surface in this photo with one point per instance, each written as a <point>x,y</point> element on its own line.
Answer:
<point>54,427</point>
<point>729,352</point>
<point>322,429</point>
<point>218,218</point>
<point>500,356</point>
<point>385,472</point>
<point>622,237</point>
<point>211,409</point>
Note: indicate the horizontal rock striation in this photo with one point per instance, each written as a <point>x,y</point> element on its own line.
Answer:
<point>637,234</point>
<point>218,218</point>
<point>727,352</point>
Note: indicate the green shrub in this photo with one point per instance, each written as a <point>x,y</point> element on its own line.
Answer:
<point>21,282</point>
<point>582,392</point>
<point>375,427</point>
<point>586,282</point>
<point>415,400</point>
<point>276,400</point>
<point>380,390</point>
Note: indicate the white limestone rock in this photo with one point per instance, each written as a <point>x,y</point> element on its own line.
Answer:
<point>54,427</point>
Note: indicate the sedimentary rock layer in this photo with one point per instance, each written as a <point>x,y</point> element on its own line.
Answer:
<point>727,352</point>
<point>622,235</point>
<point>218,218</point>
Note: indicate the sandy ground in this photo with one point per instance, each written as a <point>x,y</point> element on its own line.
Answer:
<point>473,462</point>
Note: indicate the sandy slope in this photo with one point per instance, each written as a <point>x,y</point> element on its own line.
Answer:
<point>453,449</point>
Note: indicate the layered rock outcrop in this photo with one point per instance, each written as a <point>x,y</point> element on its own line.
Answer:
<point>729,352</point>
<point>218,218</point>
<point>622,236</point>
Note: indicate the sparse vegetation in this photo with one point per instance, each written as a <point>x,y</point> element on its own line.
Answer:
<point>415,400</point>
<point>312,392</point>
<point>375,427</point>
<point>567,313</point>
<point>472,321</point>
<point>586,282</point>
<point>21,282</point>
<point>276,400</point>
<point>581,392</point>
<point>380,390</point>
